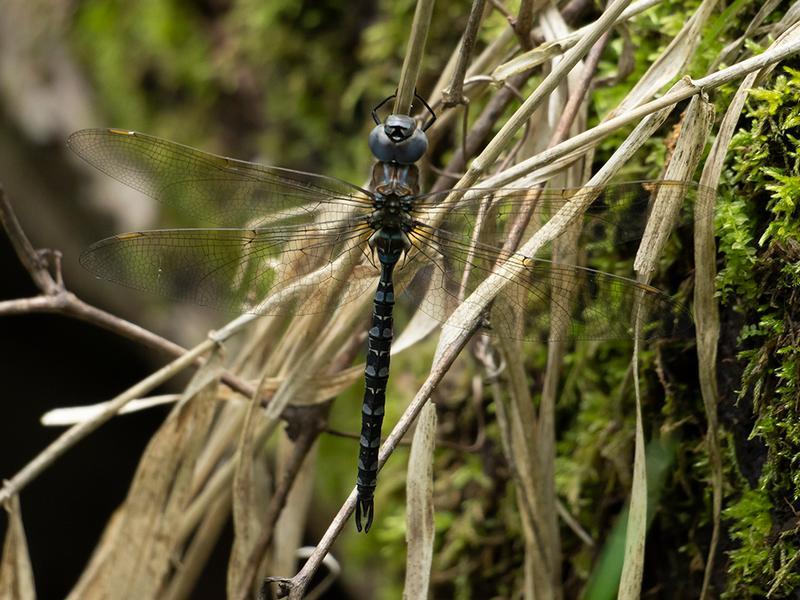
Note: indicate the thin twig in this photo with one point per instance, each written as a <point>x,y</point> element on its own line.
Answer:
<point>488,59</point>
<point>480,130</point>
<point>56,299</point>
<point>571,522</point>
<point>498,6</point>
<point>30,258</point>
<point>68,304</point>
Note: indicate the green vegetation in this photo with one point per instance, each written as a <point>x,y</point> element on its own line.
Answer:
<point>760,233</point>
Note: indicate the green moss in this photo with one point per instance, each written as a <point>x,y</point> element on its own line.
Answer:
<point>751,528</point>
<point>760,233</point>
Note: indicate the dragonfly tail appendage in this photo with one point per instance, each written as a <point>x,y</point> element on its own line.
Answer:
<point>365,507</point>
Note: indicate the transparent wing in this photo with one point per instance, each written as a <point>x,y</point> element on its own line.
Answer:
<point>214,190</point>
<point>289,270</point>
<point>451,261</point>
<point>618,212</point>
<point>588,304</point>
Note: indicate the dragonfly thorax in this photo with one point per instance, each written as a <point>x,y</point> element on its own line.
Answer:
<point>392,179</point>
<point>394,188</point>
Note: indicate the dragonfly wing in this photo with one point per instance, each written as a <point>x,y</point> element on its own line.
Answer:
<point>534,293</point>
<point>617,213</point>
<point>211,189</point>
<point>273,272</point>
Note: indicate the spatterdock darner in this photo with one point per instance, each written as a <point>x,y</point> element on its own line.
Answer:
<point>315,243</point>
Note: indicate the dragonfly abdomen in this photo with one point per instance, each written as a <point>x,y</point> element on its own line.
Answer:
<point>376,375</point>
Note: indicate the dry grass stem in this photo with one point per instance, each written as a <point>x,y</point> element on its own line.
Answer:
<point>16,573</point>
<point>413,57</point>
<point>776,53</point>
<point>671,62</point>
<point>420,531</point>
<point>694,133</point>
<point>505,136</point>
<point>453,94</point>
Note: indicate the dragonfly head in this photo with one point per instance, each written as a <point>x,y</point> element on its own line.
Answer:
<point>398,140</point>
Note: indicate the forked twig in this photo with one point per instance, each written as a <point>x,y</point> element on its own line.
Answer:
<point>453,95</point>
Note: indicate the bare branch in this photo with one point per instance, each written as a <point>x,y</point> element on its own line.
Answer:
<point>55,299</point>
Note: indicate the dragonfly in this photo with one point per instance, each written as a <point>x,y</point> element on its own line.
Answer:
<point>274,241</point>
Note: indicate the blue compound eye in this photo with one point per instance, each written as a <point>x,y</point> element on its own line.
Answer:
<point>412,149</point>
<point>381,146</point>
